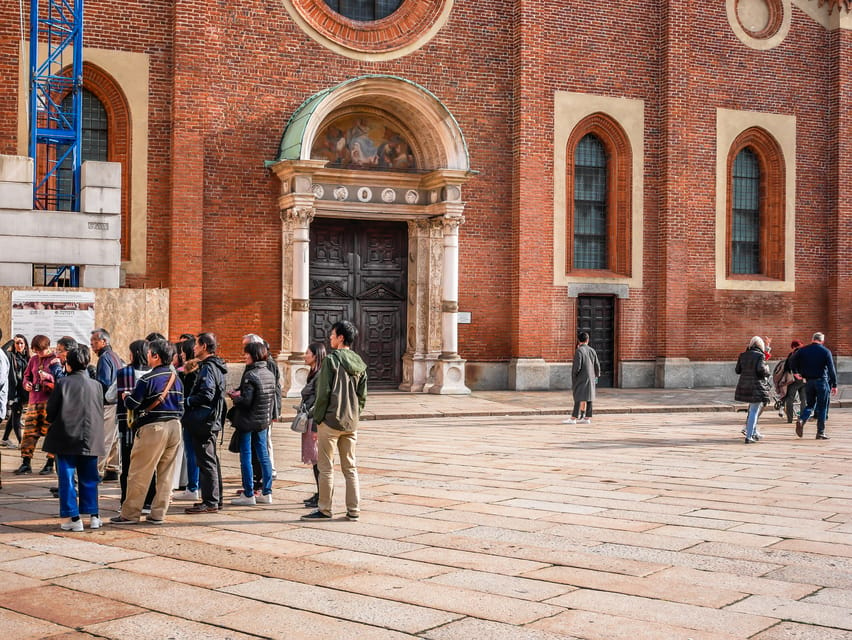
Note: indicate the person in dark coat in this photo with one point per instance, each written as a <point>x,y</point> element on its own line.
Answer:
<point>254,404</point>
<point>75,411</point>
<point>585,371</point>
<point>754,384</point>
<point>19,358</point>
<point>314,356</point>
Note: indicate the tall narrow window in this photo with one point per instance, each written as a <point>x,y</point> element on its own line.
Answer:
<point>95,142</point>
<point>590,204</point>
<point>745,214</point>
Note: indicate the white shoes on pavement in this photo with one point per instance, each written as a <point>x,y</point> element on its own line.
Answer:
<point>185,496</point>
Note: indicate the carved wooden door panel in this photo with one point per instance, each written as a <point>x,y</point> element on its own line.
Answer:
<point>358,273</point>
<point>596,316</point>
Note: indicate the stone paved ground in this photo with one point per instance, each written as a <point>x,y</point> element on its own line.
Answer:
<point>640,526</point>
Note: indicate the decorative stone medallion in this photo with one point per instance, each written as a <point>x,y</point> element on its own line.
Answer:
<point>341,193</point>
<point>319,191</point>
<point>760,24</point>
<point>411,196</point>
<point>364,194</point>
<point>388,195</point>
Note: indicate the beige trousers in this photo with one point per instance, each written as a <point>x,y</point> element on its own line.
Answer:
<point>344,441</point>
<point>112,459</point>
<point>156,447</point>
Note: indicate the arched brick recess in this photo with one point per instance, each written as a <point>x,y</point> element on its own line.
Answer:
<point>619,189</point>
<point>403,27</point>
<point>772,202</point>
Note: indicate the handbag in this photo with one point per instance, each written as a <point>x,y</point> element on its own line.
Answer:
<point>234,442</point>
<point>301,420</point>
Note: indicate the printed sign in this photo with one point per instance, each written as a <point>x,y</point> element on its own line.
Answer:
<point>54,314</point>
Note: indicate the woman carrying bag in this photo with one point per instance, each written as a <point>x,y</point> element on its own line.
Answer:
<point>754,384</point>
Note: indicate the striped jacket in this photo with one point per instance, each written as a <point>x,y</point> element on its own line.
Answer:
<point>148,388</point>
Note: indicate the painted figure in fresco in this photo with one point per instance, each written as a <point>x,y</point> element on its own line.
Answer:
<point>364,151</point>
<point>354,142</point>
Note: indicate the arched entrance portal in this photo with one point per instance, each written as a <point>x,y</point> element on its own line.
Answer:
<point>371,173</point>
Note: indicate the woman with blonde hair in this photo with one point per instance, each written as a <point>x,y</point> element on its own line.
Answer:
<point>754,384</point>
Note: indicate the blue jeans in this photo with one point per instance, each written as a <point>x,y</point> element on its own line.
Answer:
<point>87,479</point>
<point>751,421</point>
<point>191,464</point>
<point>816,394</point>
<point>255,440</point>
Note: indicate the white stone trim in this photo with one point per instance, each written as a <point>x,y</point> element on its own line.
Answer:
<point>569,110</point>
<point>760,44</point>
<point>730,124</point>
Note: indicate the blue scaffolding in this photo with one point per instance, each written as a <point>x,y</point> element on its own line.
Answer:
<point>56,35</point>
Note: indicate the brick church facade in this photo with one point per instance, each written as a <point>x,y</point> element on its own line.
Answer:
<point>472,182</point>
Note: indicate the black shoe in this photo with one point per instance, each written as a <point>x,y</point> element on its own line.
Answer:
<point>25,468</point>
<point>110,476</point>
<point>314,498</point>
<point>46,470</point>
<point>822,436</point>
<point>311,503</point>
<point>54,491</point>
<point>800,428</point>
<point>316,515</point>
<point>352,516</point>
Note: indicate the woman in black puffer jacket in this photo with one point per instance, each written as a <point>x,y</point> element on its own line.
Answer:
<point>253,404</point>
<point>754,384</point>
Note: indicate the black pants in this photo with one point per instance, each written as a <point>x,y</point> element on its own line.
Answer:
<point>13,421</point>
<point>209,471</point>
<point>576,412</point>
<point>126,440</point>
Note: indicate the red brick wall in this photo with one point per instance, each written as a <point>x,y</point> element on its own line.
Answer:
<point>226,77</point>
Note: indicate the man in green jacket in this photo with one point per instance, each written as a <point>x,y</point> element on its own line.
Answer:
<point>341,395</point>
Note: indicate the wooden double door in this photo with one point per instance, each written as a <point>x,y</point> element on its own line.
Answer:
<point>358,272</point>
<point>596,316</point>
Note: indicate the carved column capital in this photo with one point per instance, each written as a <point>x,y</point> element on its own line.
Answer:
<point>299,216</point>
<point>450,224</point>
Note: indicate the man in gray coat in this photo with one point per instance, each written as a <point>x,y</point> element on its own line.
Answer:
<point>585,372</point>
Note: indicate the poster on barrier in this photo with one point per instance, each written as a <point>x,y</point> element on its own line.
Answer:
<point>55,313</point>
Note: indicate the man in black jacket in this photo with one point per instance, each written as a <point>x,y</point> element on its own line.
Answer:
<point>815,364</point>
<point>203,420</point>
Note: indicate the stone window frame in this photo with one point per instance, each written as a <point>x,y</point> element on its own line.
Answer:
<point>776,31</point>
<point>127,73</point>
<point>625,115</point>
<point>618,162</point>
<point>771,204</point>
<point>407,29</point>
<point>773,139</point>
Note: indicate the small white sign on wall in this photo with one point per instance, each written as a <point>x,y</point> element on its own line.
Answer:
<point>464,317</point>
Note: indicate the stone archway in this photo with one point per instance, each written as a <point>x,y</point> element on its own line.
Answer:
<point>426,196</point>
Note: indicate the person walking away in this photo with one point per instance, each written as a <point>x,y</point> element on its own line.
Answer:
<point>157,400</point>
<point>107,369</point>
<point>126,379</point>
<point>815,364</point>
<point>314,357</point>
<point>39,379</point>
<point>76,414</point>
<point>795,386</point>
<point>585,371</point>
<point>754,385</point>
<point>341,393</point>
<point>203,419</point>
<point>19,358</point>
<point>253,406</point>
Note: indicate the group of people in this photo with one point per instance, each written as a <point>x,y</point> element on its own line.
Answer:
<point>130,422</point>
<point>812,377</point>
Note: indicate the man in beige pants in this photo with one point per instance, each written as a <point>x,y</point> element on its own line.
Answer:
<point>157,401</point>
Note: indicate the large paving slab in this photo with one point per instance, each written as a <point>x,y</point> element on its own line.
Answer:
<point>491,519</point>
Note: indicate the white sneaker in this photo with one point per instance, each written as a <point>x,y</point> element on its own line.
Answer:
<point>585,421</point>
<point>71,525</point>
<point>5,443</point>
<point>245,501</point>
<point>264,499</point>
<point>570,421</point>
<point>95,522</point>
<point>185,496</point>
<point>145,511</point>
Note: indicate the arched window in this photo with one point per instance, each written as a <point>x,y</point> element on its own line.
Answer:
<point>598,198</point>
<point>745,223</point>
<point>95,142</point>
<point>364,10</point>
<point>590,204</point>
<point>756,206</point>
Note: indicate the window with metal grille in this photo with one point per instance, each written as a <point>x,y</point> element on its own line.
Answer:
<point>364,10</point>
<point>94,145</point>
<point>56,275</point>
<point>590,204</point>
<point>745,220</point>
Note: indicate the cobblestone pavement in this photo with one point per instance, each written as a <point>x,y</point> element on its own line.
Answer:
<point>638,526</point>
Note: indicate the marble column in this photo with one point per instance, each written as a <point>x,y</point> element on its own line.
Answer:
<point>296,371</point>
<point>449,370</point>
